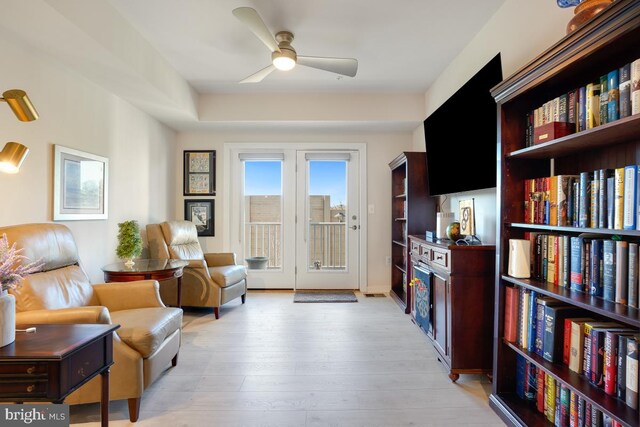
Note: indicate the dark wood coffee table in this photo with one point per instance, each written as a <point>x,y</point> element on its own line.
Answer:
<point>147,269</point>
<point>51,363</point>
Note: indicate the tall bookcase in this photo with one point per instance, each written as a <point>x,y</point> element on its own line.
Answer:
<point>608,41</point>
<point>412,212</point>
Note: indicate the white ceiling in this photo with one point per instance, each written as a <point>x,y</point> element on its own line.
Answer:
<point>401,45</point>
<point>180,61</point>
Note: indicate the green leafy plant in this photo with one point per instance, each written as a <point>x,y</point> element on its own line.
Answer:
<point>129,240</point>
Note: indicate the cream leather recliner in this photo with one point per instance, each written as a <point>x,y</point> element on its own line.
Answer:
<point>209,280</point>
<point>148,339</point>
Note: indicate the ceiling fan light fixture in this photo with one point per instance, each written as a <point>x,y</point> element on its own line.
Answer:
<point>284,60</point>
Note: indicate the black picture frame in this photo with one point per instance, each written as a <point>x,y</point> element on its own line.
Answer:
<point>199,173</point>
<point>202,214</point>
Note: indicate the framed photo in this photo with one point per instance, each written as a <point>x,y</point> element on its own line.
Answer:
<point>80,185</point>
<point>202,214</point>
<point>199,173</point>
<point>467,218</point>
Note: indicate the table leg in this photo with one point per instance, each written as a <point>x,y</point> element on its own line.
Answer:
<point>179,292</point>
<point>104,399</point>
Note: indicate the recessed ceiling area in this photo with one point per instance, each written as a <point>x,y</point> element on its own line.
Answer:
<point>401,46</point>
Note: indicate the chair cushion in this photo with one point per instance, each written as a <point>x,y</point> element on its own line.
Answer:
<point>227,275</point>
<point>145,329</point>
<point>182,240</point>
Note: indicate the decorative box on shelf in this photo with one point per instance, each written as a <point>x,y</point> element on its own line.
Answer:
<point>551,131</point>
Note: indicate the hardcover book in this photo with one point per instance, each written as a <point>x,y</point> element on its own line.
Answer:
<point>554,330</point>
<point>604,99</point>
<point>622,271</point>
<point>594,209</point>
<point>576,356</point>
<point>618,219</point>
<point>630,200</point>
<point>613,112</point>
<point>563,185</point>
<point>576,264</point>
<point>632,288</point>
<point>609,270</point>
<point>635,87</point>
<point>510,313</point>
<point>625,90</point>
<point>582,108</point>
<point>632,373</point>
<point>596,266</point>
<point>611,197</point>
<point>585,199</point>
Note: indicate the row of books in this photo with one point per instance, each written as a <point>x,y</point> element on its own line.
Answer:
<point>560,405</point>
<point>604,198</point>
<point>587,263</point>
<point>609,98</point>
<point>605,352</point>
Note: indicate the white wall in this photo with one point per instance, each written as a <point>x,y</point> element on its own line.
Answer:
<point>79,114</point>
<point>520,30</point>
<point>381,149</point>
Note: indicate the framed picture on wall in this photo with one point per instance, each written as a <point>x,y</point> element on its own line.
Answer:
<point>80,185</point>
<point>199,173</point>
<point>202,214</point>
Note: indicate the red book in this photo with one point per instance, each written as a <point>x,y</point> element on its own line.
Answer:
<point>567,341</point>
<point>510,313</point>
<point>541,387</point>
<point>610,362</point>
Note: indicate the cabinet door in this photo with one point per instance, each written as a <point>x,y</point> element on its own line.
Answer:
<point>440,332</point>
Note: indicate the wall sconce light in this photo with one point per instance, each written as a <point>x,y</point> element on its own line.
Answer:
<point>12,156</point>
<point>20,104</point>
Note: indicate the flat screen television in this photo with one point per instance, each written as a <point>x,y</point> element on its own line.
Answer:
<point>461,136</point>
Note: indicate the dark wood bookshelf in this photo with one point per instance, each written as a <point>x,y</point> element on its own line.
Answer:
<point>606,42</point>
<point>413,212</point>
<point>618,312</point>
<point>580,385</point>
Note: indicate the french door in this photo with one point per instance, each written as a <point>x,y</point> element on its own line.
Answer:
<point>328,220</point>
<point>294,214</point>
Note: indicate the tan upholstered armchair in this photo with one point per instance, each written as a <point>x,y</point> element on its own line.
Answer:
<point>148,339</point>
<point>209,280</point>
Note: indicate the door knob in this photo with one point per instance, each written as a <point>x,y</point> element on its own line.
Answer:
<point>354,227</point>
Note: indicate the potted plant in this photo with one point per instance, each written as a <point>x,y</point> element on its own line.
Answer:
<point>12,271</point>
<point>129,242</point>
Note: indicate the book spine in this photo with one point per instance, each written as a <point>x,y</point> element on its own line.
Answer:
<point>576,264</point>
<point>586,352</point>
<point>531,381</point>
<point>576,203</point>
<point>510,313</point>
<point>611,197</point>
<point>602,198</point>
<point>632,287</point>
<point>582,108</point>
<point>625,90</point>
<point>595,284</point>
<point>622,271</point>
<point>565,412</point>
<point>609,279</point>
<point>540,400</point>
<point>593,115</point>
<point>610,363</point>
<point>573,410</point>
<point>597,357</point>
<point>577,343</point>
<point>619,199</point>
<point>570,203</point>
<point>635,89</point>
<point>520,376</point>
<point>595,199</point>
<point>552,250</point>
<point>632,373</point>
<point>585,199</point>
<point>531,321</point>
<point>563,108</point>
<point>630,197</point>
<point>547,200</point>
<point>581,408</point>
<point>572,111</point>
<point>566,255</point>
<point>621,379</point>
<point>539,347</point>
<point>604,99</point>
<point>613,112</point>
<point>550,407</point>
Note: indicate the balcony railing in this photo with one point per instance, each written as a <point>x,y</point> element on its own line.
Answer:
<point>326,243</point>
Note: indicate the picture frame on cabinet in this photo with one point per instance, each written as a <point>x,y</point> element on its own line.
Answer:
<point>467,217</point>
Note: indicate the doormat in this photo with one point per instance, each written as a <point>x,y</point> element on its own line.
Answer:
<point>324,296</point>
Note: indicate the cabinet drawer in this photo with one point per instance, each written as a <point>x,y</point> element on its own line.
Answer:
<point>415,248</point>
<point>23,368</point>
<point>23,387</point>
<point>440,257</point>
<point>85,362</point>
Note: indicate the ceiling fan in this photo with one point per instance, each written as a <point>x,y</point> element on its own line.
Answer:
<point>283,55</point>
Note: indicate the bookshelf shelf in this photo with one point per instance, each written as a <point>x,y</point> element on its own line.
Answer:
<point>412,212</point>
<point>576,230</point>
<point>618,132</point>
<point>604,44</point>
<point>580,385</point>
<point>619,312</point>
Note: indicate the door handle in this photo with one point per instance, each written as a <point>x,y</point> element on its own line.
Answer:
<point>354,227</point>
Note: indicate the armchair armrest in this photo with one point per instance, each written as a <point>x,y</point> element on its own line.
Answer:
<point>220,259</point>
<point>118,296</point>
<point>89,314</point>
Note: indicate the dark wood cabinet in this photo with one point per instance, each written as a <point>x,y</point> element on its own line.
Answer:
<point>412,212</point>
<point>605,43</point>
<point>458,312</point>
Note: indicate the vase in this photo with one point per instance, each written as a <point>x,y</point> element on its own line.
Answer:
<point>129,263</point>
<point>7,318</point>
<point>585,11</point>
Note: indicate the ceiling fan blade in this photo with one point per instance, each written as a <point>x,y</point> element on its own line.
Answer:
<point>257,77</point>
<point>257,26</point>
<point>344,66</point>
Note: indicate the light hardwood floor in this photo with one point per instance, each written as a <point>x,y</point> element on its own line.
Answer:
<point>272,362</point>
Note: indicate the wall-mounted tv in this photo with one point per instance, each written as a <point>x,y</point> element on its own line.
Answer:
<point>461,136</point>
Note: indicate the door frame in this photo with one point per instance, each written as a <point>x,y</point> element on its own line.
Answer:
<point>229,228</point>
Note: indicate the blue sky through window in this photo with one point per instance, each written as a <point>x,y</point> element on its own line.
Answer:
<point>264,178</point>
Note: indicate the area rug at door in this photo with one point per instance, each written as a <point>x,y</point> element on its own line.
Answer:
<point>324,296</point>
